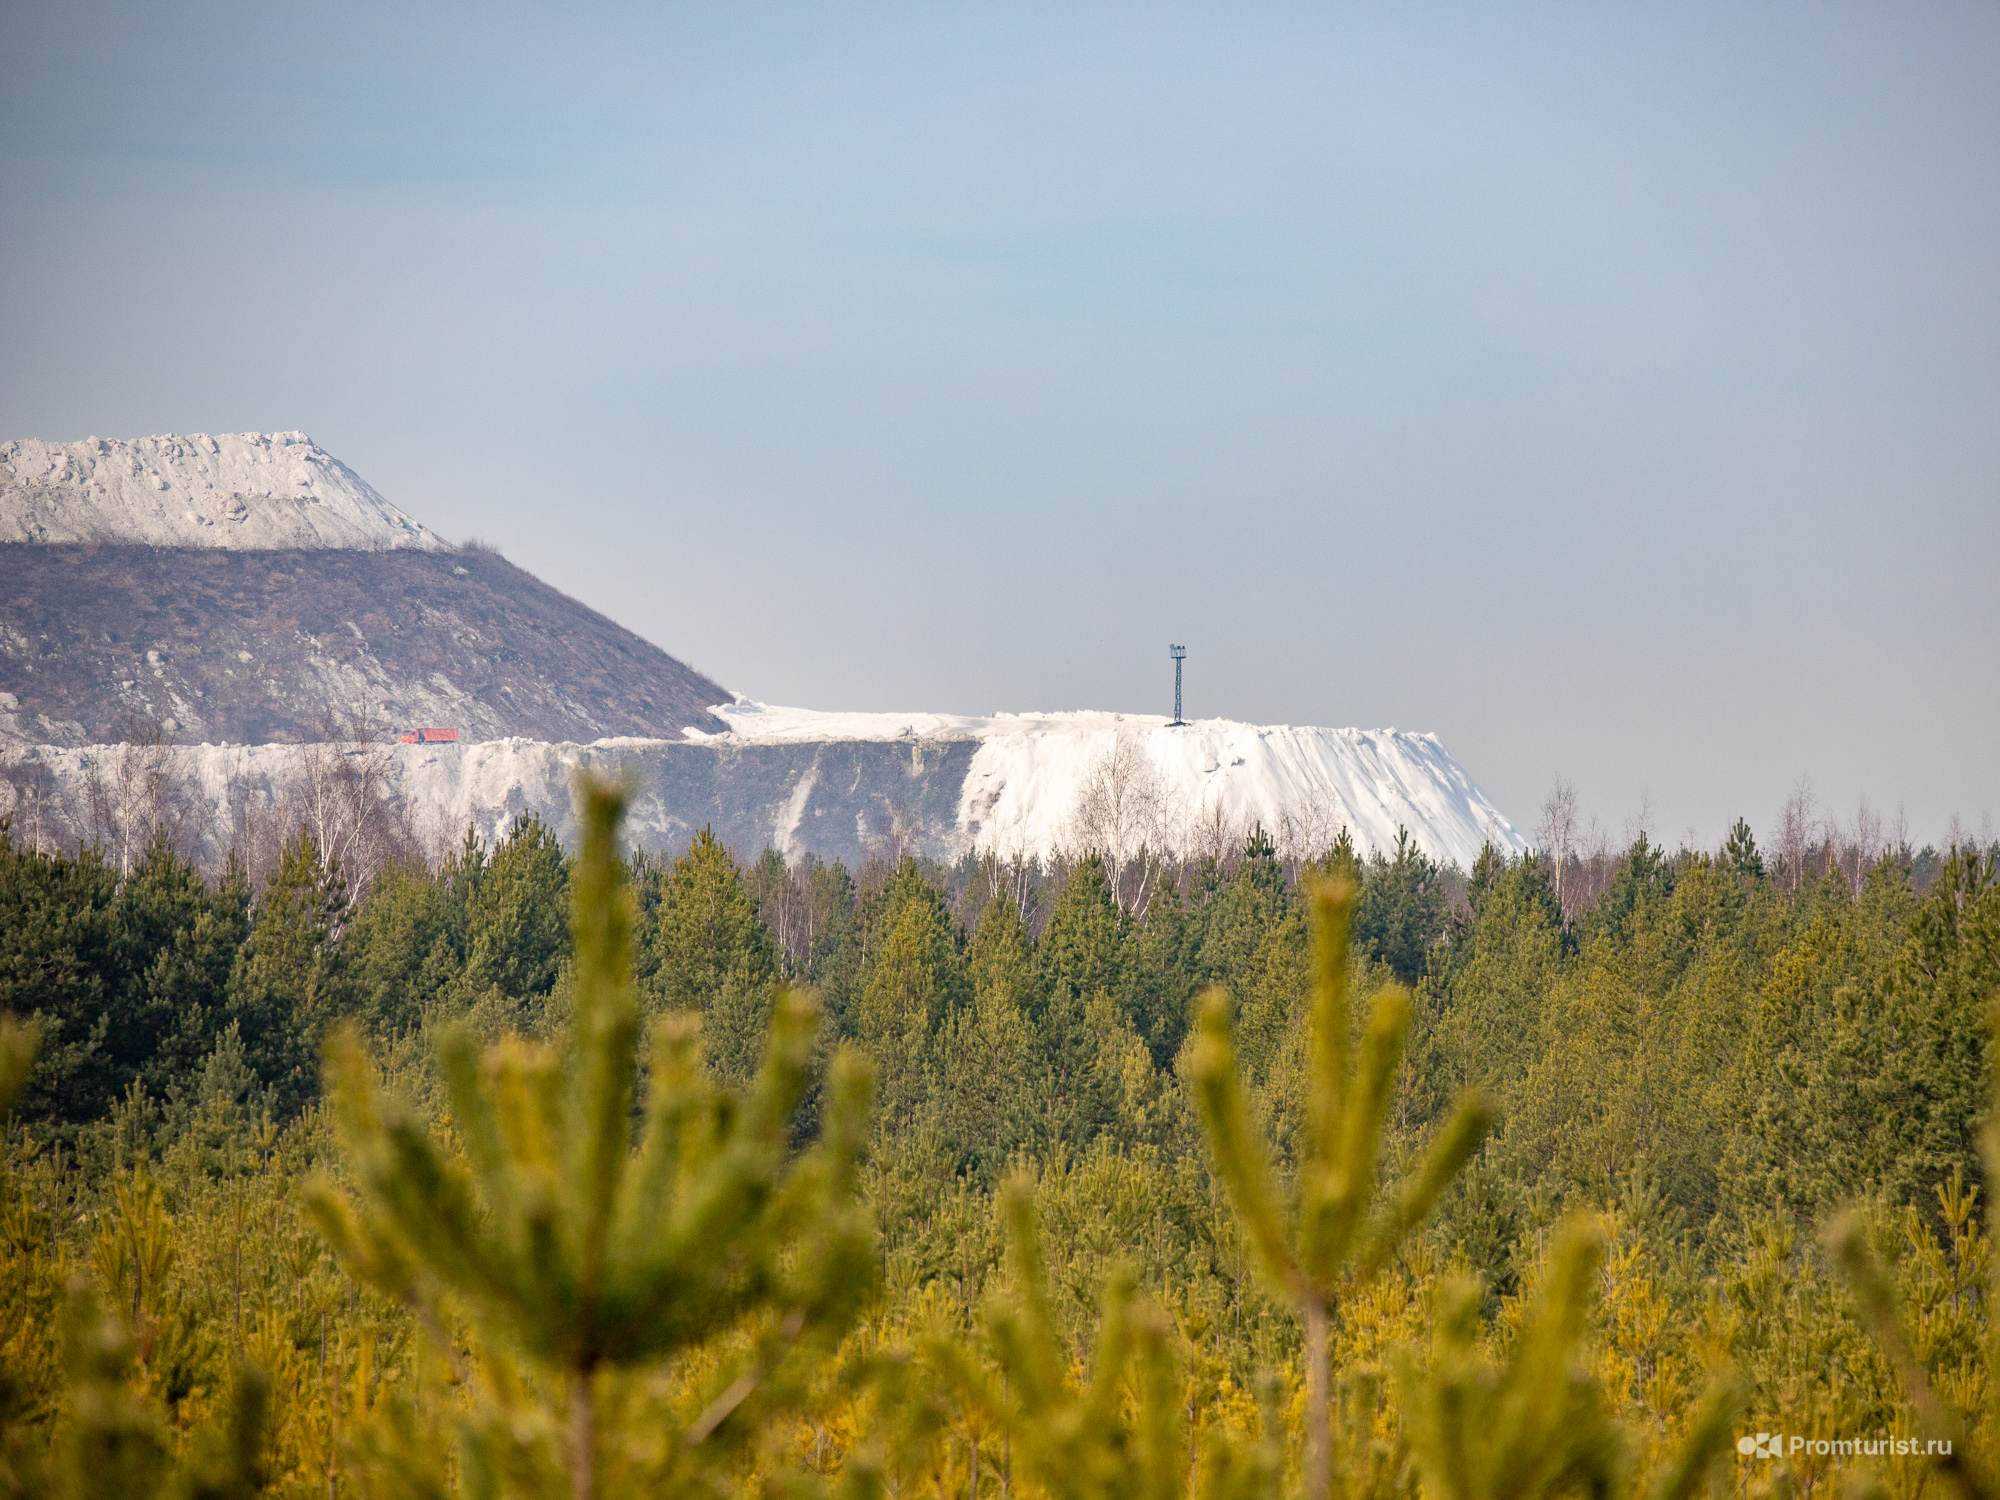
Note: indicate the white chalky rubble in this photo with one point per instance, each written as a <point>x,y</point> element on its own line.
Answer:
<point>250,491</point>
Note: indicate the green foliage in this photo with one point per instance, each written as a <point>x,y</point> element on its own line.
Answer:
<point>116,1447</point>
<point>1078,955</point>
<point>1960,1427</point>
<point>288,983</point>
<point>1160,970</point>
<point>1119,1431</point>
<point>585,1257</point>
<point>1400,916</point>
<point>517,922</point>
<point>18,1044</point>
<point>1644,875</point>
<point>1878,1049</point>
<point>56,949</point>
<point>177,942</point>
<point>1337,1235</point>
<point>1482,1028</point>
<point>487,931</point>
<point>1740,853</point>
<point>1030,1272</point>
<point>992,1100</point>
<point>1240,914</point>
<point>129,981</point>
<point>705,950</point>
<point>1539,1423</point>
<point>404,947</point>
<point>830,931</point>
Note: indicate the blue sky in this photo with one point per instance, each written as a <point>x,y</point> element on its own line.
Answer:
<point>1611,390</point>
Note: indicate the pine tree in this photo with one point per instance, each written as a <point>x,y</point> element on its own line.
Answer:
<point>402,948</point>
<point>1968,1461</point>
<point>915,980</point>
<point>833,961</point>
<point>517,928</point>
<point>1644,874</point>
<point>1776,1152</point>
<point>1740,852</point>
<point>1120,1431</point>
<point>1240,913</point>
<point>178,941</point>
<point>989,1098</point>
<point>157,904</point>
<point>56,952</point>
<point>288,985</point>
<point>993,1098</point>
<point>1158,970</point>
<point>1340,862</point>
<point>1486,869</point>
<point>1340,1234</point>
<point>584,1259</point>
<point>1539,1424</point>
<point>1923,1065</point>
<point>706,932</point>
<point>1080,1006</point>
<point>1401,913</point>
<point>1000,957</point>
<point>1078,954</point>
<point>1485,1031</point>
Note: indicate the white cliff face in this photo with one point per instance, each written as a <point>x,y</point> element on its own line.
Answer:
<point>251,491</point>
<point>842,786</point>
<point>1031,773</point>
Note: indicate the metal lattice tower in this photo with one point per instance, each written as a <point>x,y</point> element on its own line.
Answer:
<point>1179,654</point>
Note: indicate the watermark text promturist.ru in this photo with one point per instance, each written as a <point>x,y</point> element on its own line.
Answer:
<point>1778,1445</point>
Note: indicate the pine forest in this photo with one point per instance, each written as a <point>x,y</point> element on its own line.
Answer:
<point>526,1172</point>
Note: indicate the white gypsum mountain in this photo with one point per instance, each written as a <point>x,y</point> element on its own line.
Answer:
<point>249,491</point>
<point>253,589</point>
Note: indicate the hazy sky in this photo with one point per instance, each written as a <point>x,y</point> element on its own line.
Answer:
<point>1612,390</point>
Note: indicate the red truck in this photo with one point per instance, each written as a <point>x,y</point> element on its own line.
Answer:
<point>430,736</point>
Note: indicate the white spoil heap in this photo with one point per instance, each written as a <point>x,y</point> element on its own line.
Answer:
<point>1014,784</point>
<point>1041,781</point>
<point>253,491</point>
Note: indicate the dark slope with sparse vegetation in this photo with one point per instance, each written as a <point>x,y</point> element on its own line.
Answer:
<point>254,647</point>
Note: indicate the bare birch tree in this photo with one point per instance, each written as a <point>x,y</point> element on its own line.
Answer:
<point>342,792</point>
<point>1640,824</point>
<point>1123,813</point>
<point>131,791</point>
<point>1862,845</point>
<point>1798,830</point>
<point>1305,832</point>
<point>33,803</point>
<point>1191,836</point>
<point>1557,834</point>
